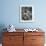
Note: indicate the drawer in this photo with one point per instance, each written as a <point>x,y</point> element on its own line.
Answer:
<point>34,39</point>
<point>12,44</point>
<point>34,33</point>
<point>12,39</point>
<point>13,33</point>
<point>8,45</point>
<point>37,39</point>
<point>37,44</point>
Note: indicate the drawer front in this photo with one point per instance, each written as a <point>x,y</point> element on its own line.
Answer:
<point>37,39</point>
<point>12,39</point>
<point>34,33</point>
<point>13,33</point>
<point>12,44</point>
<point>37,45</point>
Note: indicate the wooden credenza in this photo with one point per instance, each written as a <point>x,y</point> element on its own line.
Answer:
<point>23,39</point>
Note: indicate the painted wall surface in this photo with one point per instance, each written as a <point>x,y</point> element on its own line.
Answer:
<point>10,13</point>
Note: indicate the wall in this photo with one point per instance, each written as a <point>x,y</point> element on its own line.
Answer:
<point>10,12</point>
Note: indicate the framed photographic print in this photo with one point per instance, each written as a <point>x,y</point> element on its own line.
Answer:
<point>26,13</point>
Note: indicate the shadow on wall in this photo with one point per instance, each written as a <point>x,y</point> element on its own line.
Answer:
<point>2,26</point>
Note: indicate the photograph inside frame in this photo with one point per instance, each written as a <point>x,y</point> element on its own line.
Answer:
<point>26,13</point>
